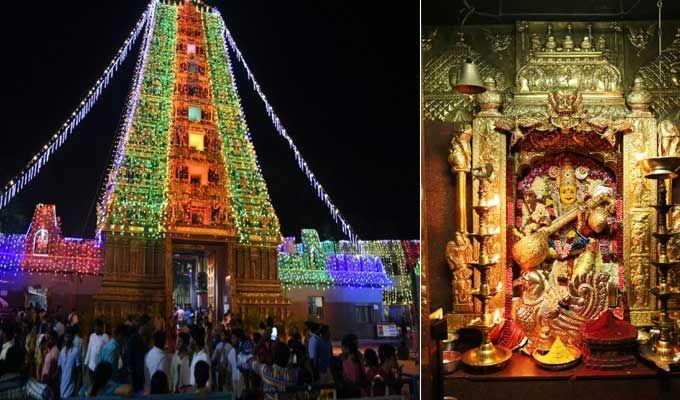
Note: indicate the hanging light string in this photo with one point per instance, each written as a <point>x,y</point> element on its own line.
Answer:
<point>150,15</point>
<point>320,192</point>
<point>32,169</point>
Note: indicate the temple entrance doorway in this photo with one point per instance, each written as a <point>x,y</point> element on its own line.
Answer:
<point>198,278</point>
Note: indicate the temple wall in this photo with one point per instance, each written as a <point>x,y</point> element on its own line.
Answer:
<point>67,291</point>
<point>339,308</point>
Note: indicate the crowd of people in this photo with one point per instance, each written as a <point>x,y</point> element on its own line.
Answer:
<point>44,355</point>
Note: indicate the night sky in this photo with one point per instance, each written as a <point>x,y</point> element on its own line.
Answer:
<point>342,76</point>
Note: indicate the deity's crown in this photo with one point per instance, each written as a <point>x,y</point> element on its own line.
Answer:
<point>567,175</point>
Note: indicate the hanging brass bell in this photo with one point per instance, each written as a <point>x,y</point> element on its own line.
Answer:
<point>467,80</point>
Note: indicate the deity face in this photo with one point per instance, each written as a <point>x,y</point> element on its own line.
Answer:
<point>459,238</point>
<point>568,194</point>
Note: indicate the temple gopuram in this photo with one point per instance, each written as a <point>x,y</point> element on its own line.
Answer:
<point>185,191</point>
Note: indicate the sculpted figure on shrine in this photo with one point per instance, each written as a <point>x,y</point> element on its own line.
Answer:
<point>669,138</point>
<point>460,153</point>
<point>458,255</point>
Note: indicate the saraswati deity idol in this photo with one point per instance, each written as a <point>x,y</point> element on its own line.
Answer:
<point>565,251</point>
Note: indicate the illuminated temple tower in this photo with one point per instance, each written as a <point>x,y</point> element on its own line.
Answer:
<point>185,214</point>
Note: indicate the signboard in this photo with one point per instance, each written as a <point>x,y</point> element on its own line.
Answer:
<point>387,330</point>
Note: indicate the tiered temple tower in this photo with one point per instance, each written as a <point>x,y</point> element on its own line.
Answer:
<point>185,189</point>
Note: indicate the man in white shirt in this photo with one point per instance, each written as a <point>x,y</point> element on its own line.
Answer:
<point>156,360</point>
<point>94,347</point>
<point>200,354</point>
<point>181,365</point>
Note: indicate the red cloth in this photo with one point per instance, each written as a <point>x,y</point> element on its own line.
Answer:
<point>608,327</point>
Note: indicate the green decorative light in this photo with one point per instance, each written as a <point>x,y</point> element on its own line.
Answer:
<point>307,265</point>
<point>393,256</point>
<point>254,215</point>
<point>137,206</point>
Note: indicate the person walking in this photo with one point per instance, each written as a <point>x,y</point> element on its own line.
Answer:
<point>69,364</point>
<point>94,347</point>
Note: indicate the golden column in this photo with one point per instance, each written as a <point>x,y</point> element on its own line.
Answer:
<point>489,148</point>
<point>459,250</point>
<point>639,194</point>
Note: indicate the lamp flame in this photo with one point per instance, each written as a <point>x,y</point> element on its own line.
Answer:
<point>495,201</point>
<point>497,316</point>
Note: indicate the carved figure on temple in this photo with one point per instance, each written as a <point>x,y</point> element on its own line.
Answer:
<point>458,255</point>
<point>460,153</point>
<point>638,234</point>
<point>550,43</point>
<point>536,44</point>
<point>669,138</point>
<point>640,188</point>
<point>586,43</point>
<point>639,280</point>
<point>640,37</point>
<point>565,102</point>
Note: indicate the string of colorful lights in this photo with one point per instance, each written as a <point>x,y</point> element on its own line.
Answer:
<point>130,107</point>
<point>43,249</point>
<point>318,188</point>
<point>393,254</point>
<point>386,264</point>
<point>135,199</point>
<point>40,159</point>
<point>254,215</point>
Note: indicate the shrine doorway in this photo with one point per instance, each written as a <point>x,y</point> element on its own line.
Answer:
<point>198,277</point>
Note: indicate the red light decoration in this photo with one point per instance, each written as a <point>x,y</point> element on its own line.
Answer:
<point>43,249</point>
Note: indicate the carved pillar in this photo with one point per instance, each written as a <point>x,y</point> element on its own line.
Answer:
<point>639,219</point>
<point>459,250</point>
<point>489,147</point>
<point>169,276</point>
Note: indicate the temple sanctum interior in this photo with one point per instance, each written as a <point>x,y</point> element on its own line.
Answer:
<point>550,148</point>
